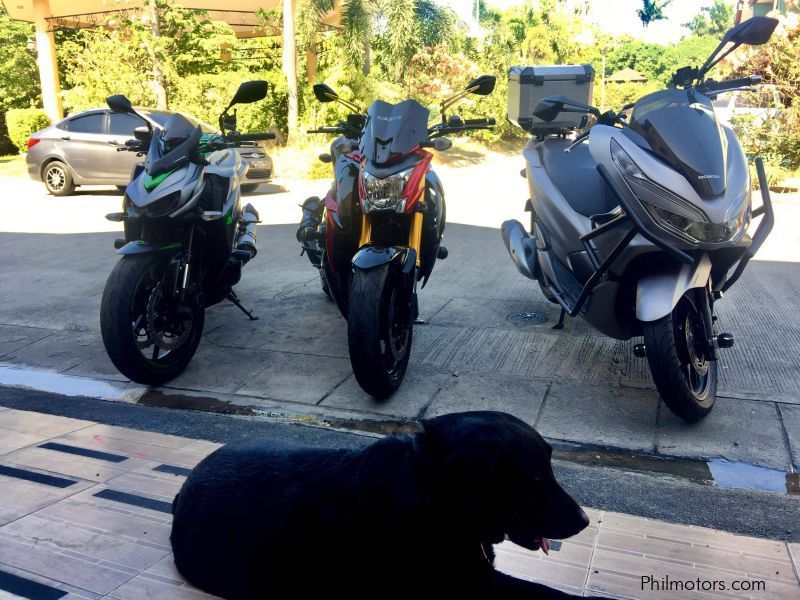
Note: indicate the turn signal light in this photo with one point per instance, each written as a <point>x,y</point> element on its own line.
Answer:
<point>32,142</point>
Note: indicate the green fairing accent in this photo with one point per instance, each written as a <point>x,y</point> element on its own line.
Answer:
<point>152,183</point>
<point>171,246</point>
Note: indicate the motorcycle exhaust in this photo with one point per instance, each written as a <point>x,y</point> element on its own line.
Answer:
<point>246,240</point>
<point>312,217</point>
<point>520,246</point>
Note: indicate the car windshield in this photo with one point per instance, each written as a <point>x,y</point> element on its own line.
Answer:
<point>161,117</point>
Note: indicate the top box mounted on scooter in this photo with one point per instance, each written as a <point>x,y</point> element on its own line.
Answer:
<point>528,85</point>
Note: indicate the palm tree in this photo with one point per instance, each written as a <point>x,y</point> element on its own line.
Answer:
<point>290,65</point>
<point>652,10</point>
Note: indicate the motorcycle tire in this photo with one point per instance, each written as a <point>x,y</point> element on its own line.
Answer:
<point>686,382</point>
<point>379,330</point>
<point>325,287</point>
<point>117,309</point>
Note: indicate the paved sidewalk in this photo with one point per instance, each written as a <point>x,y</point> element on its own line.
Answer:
<point>85,513</point>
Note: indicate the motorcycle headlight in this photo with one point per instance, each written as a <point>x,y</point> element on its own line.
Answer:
<point>163,206</point>
<point>384,194</point>
<point>693,229</point>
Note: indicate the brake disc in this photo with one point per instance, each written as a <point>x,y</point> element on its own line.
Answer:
<point>166,340</point>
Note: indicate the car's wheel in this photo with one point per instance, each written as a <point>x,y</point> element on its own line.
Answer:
<point>57,179</point>
<point>249,188</point>
<point>149,336</point>
<point>379,329</point>
<point>685,380</point>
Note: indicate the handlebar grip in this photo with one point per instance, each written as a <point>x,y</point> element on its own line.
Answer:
<point>325,130</point>
<point>489,121</point>
<point>250,137</point>
<point>730,84</point>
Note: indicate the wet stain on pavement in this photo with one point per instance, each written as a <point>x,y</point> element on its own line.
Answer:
<point>186,402</point>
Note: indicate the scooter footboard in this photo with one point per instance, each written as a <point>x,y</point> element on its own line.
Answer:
<point>658,293</point>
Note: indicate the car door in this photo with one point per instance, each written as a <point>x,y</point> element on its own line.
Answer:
<point>86,146</point>
<point>120,130</point>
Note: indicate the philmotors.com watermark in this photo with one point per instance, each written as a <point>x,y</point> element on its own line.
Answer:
<point>667,584</point>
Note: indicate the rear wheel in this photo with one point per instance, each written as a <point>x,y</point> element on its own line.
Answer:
<point>149,336</point>
<point>379,329</point>
<point>686,381</point>
<point>58,179</point>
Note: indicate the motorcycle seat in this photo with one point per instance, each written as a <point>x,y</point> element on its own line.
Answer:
<point>576,177</point>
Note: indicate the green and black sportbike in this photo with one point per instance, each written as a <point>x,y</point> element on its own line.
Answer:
<point>187,238</point>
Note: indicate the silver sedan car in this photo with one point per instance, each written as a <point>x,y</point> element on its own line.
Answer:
<point>82,150</point>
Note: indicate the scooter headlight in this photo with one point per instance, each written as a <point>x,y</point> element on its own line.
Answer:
<point>695,230</point>
<point>384,194</point>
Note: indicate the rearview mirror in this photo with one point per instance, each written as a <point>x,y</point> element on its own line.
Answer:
<point>482,86</point>
<point>250,91</point>
<point>442,144</point>
<point>547,109</point>
<point>119,104</point>
<point>324,93</point>
<point>753,32</point>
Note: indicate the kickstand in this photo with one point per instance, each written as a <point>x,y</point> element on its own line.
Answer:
<point>235,299</point>
<point>419,321</point>
<point>561,317</point>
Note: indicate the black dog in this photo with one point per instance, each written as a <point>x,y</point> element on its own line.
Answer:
<point>409,517</point>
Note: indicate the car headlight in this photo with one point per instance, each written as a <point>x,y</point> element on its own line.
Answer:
<point>384,194</point>
<point>694,230</point>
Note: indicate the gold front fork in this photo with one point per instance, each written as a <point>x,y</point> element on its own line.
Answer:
<point>415,235</point>
<point>366,231</point>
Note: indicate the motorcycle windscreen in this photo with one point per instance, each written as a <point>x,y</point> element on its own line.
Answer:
<point>682,130</point>
<point>393,129</point>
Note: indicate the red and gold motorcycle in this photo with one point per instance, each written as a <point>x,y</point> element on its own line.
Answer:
<point>378,231</point>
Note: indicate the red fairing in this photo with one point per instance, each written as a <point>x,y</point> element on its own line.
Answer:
<point>330,202</point>
<point>414,190</point>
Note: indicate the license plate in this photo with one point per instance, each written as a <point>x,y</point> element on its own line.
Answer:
<point>258,164</point>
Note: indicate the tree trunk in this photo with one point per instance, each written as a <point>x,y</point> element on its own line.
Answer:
<point>160,80</point>
<point>366,66</point>
<point>290,64</point>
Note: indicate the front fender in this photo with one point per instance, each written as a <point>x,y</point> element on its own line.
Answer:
<point>370,257</point>
<point>142,247</point>
<point>657,294</point>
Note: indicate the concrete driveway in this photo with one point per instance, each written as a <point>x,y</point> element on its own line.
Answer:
<point>479,350</point>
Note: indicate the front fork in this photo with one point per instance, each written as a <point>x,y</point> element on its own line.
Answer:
<point>414,233</point>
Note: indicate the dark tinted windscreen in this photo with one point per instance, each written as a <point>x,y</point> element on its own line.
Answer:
<point>162,117</point>
<point>682,130</point>
<point>393,129</point>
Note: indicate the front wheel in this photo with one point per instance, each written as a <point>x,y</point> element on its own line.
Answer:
<point>685,379</point>
<point>379,329</point>
<point>148,335</point>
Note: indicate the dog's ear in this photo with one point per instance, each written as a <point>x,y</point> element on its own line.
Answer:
<point>468,465</point>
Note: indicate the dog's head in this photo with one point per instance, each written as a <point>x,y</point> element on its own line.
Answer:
<point>493,470</point>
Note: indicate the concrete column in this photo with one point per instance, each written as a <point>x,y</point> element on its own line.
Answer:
<point>46,59</point>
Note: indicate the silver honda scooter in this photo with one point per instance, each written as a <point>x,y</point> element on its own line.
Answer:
<point>639,225</point>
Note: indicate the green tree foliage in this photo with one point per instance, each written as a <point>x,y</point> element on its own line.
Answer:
<point>119,58</point>
<point>713,20</point>
<point>19,77</point>
<point>778,139</point>
<point>22,122</point>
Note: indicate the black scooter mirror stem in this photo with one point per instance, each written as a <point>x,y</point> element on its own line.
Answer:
<point>119,104</point>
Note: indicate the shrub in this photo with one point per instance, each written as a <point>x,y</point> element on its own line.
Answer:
<point>22,122</point>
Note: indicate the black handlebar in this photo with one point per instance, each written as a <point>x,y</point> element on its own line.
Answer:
<point>326,130</point>
<point>250,137</point>
<point>489,121</point>
<point>716,87</point>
